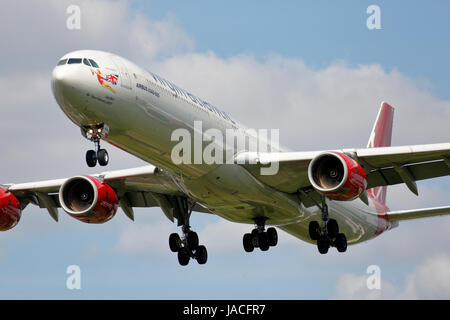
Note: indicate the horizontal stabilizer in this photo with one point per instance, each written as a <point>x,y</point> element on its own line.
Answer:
<point>416,214</point>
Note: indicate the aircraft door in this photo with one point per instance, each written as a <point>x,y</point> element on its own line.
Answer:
<point>124,76</point>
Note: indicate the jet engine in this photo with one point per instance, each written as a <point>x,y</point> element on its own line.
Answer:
<point>337,176</point>
<point>88,199</point>
<point>10,210</point>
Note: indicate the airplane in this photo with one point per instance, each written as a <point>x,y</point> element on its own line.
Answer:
<point>329,198</point>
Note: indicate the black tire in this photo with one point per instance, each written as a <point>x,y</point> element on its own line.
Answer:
<point>201,255</point>
<point>332,228</point>
<point>174,242</point>
<point>247,241</point>
<point>314,230</point>
<point>323,244</point>
<point>183,257</point>
<point>341,242</point>
<point>103,157</point>
<point>91,158</point>
<point>192,240</point>
<point>263,241</point>
<point>272,236</point>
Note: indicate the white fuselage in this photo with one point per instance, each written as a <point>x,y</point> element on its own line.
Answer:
<point>141,111</point>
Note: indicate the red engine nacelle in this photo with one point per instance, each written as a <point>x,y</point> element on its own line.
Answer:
<point>10,210</point>
<point>337,176</point>
<point>88,199</point>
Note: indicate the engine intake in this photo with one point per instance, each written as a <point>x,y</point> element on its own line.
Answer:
<point>88,199</point>
<point>337,176</point>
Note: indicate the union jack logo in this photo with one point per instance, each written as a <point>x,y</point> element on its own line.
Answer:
<point>103,79</point>
<point>112,78</point>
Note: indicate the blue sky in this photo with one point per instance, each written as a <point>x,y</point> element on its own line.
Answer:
<point>270,64</point>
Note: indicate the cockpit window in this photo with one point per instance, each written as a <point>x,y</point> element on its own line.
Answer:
<point>74,60</point>
<point>61,62</point>
<point>86,62</point>
<point>95,65</point>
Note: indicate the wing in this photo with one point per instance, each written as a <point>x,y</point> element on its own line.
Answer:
<point>416,214</point>
<point>384,166</point>
<point>146,186</point>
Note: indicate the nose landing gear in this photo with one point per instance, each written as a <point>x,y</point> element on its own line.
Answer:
<point>98,155</point>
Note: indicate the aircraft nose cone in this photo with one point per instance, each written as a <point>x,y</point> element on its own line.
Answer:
<point>59,77</point>
<point>63,82</point>
<point>58,74</point>
<point>66,87</point>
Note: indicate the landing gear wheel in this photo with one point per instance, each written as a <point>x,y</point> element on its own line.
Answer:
<point>272,236</point>
<point>174,242</point>
<point>91,158</point>
<point>314,230</point>
<point>248,242</point>
<point>263,241</point>
<point>332,228</point>
<point>323,244</point>
<point>192,240</point>
<point>341,242</point>
<point>254,235</point>
<point>103,157</point>
<point>183,257</point>
<point>201,255</point>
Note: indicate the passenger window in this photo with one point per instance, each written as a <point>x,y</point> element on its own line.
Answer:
<point>61,62</point>
<point>95,65</point>
<point>86,62</point>
<point>74,60</point>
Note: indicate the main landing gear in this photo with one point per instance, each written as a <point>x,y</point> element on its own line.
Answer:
<point>328,234</point>
<point>98,155</point>
<point>260,238</point>
<point>187,246</point>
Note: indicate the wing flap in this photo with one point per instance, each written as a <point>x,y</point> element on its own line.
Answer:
<point>419,171</point>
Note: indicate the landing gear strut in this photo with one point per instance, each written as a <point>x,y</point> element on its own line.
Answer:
<point>187,246</point>
<point>260,238</point>
<point>98,155</point>
<point>328,234</point>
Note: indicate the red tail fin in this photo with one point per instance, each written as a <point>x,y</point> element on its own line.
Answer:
<point>381,137</point>
<point>382,129</point>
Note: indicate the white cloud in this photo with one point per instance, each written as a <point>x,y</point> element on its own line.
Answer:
<point>145,238</point>
<point>430,280</point>
<point>12,88</point>
<point>224,236</point>
<point>34,27</point>
<point>151,39</point>
<point>325,108</point>
<point>350,286</point>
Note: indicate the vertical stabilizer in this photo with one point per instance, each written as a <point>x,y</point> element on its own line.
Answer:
<point>381,137</point>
